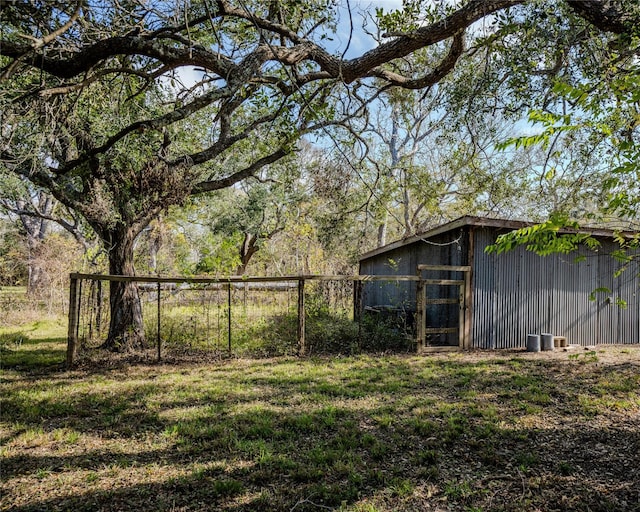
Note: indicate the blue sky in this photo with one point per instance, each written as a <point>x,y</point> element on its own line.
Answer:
<point>360,41</point>
<point>361,9</point>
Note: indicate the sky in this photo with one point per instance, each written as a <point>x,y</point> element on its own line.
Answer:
<point>360,42</point>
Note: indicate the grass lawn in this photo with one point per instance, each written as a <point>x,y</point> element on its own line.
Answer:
<point>468,432</point>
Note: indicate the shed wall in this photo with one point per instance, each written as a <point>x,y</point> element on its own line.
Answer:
<point>520,292</point>
<point>448,248</point>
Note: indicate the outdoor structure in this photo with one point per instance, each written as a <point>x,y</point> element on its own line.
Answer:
<point>468,298</point>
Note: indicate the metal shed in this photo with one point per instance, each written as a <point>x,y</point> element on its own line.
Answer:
<point>468,298</point>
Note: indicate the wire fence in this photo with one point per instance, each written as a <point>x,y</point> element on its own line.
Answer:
<point>256,317</point>
<point>19,307</point>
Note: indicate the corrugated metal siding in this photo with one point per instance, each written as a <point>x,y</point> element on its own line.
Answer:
<point>629,324</point>
<point>607,309</point>
<point>377,293</point>
<point>520,292</point>
<point>445,249</point>
<point>573,314</point>
<point>485,301</point>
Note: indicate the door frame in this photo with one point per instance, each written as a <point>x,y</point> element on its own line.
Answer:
<point>463,301</point>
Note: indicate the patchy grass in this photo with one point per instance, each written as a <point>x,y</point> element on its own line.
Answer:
<point>35,346</point>
<point>17,309</point>
<point>13,291</point>
<point>478,431</point>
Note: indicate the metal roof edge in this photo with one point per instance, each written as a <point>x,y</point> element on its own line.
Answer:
<point>454,224</point>
<point>470,220</point>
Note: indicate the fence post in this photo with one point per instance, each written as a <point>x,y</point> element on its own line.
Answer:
<point>462,316</point>
<point>99,306</point>
<point>420,313</point>
<point>158,336</point>
<point>302,348</point>
<point>468,297</point>
<point>357,308</point>
<point>79,314</point>
<point>229,314</point>
<point>72,332</point>
<point>357,301</point>
<point>91,308</point>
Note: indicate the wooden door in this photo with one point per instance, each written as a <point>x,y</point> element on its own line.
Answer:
<point>442,308</point>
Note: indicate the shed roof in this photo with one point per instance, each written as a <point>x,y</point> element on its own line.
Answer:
<point>469,220</point>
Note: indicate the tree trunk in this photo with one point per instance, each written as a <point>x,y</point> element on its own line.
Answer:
<point>382,230</point>
<point>126,329</point>
<point>247,250</point>
<point>36,229</point>
<point>36,274</point>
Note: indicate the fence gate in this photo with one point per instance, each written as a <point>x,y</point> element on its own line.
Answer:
<point>443,307</point>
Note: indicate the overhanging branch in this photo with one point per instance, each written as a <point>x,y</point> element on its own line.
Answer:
<point>442,70</point>
<point>211,185</point>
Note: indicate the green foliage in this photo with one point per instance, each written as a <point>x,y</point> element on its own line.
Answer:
<point>413,14</point>
<point>13,255</point>
<point>553,125</point>
<point>603,112</point>
<point>545,238</point>
<point>217,255</point>
<point>119,135</point>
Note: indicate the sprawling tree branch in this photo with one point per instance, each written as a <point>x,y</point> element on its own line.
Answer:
<point>211,185</point>
<point>603,14</point>
<point>91,115</point>
<point>608,15</point>
<point>435,76</point>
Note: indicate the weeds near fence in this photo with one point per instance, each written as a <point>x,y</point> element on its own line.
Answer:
<point>255,317</point>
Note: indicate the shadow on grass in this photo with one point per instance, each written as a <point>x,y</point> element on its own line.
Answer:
<point>22,354</point>
<point>331,433</point>
<point>290,461</point>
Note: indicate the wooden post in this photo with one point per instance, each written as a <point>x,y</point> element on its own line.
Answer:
<point>420,313</point>
<point>357,301</point>
<point>468,298</point>
<point>79,312</point>
<point>461,316</point>
<point>92,292</point>
<point>468,283</point>
<point>229,316</point>
<point>72,332</point>
<point>158,326</point>
<point>99,312</point>
<point>302,348</point>
<point>357,308</point>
